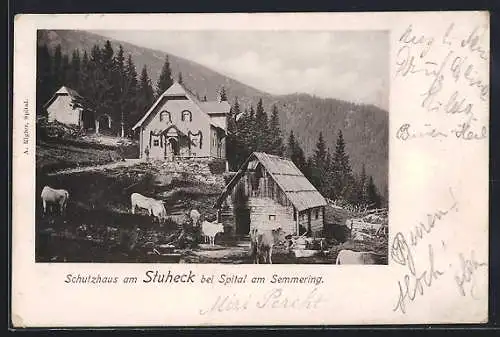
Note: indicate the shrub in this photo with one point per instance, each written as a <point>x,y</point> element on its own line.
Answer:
<point>217,166</point>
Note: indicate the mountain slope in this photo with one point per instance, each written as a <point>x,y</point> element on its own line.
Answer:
<point>365,127</point>
<point>198,78</point>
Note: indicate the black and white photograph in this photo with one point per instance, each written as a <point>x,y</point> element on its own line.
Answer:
<point>212,146</point>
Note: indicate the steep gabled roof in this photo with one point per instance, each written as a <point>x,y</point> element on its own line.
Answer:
<point>215,107</point>
<point>64,90</point>
<point>178,89</point>
<point>301,193</point>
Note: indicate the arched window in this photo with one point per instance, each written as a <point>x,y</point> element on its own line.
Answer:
<point>185,114</point>
<point>165,116</point>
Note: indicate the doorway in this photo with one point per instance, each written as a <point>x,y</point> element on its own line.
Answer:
<point>173,147</point>
<point>103,124</point>
<point>88,121</point>
<point>241,211</point>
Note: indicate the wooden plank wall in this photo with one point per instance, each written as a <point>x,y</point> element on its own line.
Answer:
<point>266,214</point>
<point>316,224</point>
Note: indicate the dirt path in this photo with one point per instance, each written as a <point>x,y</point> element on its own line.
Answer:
<point>126,163</point>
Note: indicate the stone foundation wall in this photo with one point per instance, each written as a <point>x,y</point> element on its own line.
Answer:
<point>194,169</point>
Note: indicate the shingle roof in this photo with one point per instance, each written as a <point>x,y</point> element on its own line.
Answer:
<point>301,193</point>
<point>64,90</point>
<point>215,107</point>
<point>71,92</point>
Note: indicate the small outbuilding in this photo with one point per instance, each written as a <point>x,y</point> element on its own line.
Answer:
<point>60,107</point>
<point>269,192</point>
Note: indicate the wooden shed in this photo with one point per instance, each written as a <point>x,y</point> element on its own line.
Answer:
<point>269,192</point>
<point>60,107</point>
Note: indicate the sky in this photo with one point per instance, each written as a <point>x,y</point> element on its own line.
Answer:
<point>348,65</point>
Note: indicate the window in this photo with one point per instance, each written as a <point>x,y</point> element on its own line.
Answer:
<point>272,217</point>
<point>165,116</point>
<point>156,142</point>
<point>186,115</point>
<point>316,213</point>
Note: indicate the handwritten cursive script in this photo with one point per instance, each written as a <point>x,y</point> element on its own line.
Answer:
<point>406,132</point>
<point>450,61</point>
<point>417,278</point>
<point>277,298</point>
<point>415,282</point>
<point>468,268</point>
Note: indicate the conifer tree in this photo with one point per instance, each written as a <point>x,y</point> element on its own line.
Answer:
<point>261,128</point>
<point>65,70</point>
<point>44,80</point>
<point>74,71</point>
<point>165,80</point>
<point>363,184</point>
<point>320,152</point>
<point>374,199</point>
<point>131,101</point>
<point>107,57</point>
<point>251,134</point>
<point>122,87</point>
<point>97,90</point>
<point>295,153</point>
<point>236,150</point>
<point>276,140</point>
<point>233,114</point>
<point>57,73</point>
<point>145,92</point>
<point>84,74</point>
<point>318,167</point>
<point>246,131</point>
<point>223,95</point>
<point>179,79</point>
<point>341,169</point>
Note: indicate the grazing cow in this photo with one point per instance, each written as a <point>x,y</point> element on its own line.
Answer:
<point>159,211</point>
<point>51,196</point>
<point>262,242</point>
<point>347,256</point>
<point>210,229</point>
<point>154,207</point>
<point>195,217</point>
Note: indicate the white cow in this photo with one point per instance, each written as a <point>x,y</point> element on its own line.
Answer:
<point>195,216</point>
<point>51,196</point>
<point>263,241</point>
<point>154,207</point>
<point>210,229</point>
<point>159,211</point>
<point>347,256</point>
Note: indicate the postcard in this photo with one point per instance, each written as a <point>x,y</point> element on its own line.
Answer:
<point>250,169</point>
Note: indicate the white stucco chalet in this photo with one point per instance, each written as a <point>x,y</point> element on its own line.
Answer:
<point>178,125</point>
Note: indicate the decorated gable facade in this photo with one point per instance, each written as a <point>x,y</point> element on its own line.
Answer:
<point>178,125</point>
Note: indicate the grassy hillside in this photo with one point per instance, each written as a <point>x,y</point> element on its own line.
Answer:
<point>98,218</point>
<point>61,147</point>
<point>365,127</point>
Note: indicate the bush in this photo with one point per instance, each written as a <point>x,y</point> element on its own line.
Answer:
<point>340,233</point>
<point>217,166</point>
<point>55,129</point>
